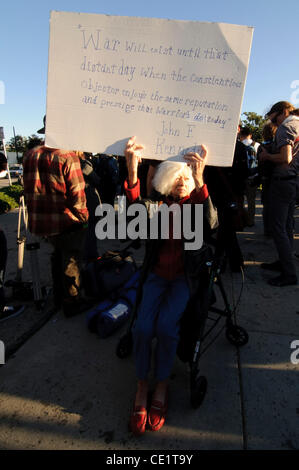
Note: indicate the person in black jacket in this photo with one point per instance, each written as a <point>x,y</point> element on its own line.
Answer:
<point>92,189</point>
<point>265,169</point>
<point>226,186</point>
<point>3,162</point>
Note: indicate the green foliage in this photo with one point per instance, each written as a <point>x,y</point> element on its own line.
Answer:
<point>9,197</point>
<point>255,122</point>
<point>33,140</point>
<point>22,144</point>
<point>17,144</point>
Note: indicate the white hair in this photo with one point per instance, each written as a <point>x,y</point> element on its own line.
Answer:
<point>166,174</point>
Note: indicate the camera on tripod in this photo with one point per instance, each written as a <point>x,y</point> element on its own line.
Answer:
<point>27,290</point>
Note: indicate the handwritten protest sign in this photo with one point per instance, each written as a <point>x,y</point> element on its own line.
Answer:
<point>173,84</point>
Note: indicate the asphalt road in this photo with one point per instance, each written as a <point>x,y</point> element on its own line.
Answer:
<point>4,182</point>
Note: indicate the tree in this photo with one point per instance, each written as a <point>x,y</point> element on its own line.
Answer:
<point>21,144</point>
<point>33,140</point>
<point>255,123</point>
<point>17,144</point>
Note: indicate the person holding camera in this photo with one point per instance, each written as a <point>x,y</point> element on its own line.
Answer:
<point>283,189</point>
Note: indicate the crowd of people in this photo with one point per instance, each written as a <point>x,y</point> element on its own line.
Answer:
<point>63,188</point>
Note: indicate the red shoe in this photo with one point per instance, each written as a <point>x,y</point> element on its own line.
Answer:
<point>157,413</point>
<point>138,420</point>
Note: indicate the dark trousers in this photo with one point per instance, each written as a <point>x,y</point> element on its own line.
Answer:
<point>250,193</point>
<point>265,202</point>
<point>227,239</point>
<point>65,264</point>
<point>3,259</point>
<point>90,248</point>
<point>282,202</point>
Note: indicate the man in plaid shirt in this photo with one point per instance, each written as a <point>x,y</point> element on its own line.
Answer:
<point>54,191</point>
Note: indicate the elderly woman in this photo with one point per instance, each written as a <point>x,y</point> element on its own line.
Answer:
<point>283,189</point>
<point>165,287</point>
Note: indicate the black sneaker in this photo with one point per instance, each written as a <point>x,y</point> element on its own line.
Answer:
<point>275,266</point>
<point>9,311</point>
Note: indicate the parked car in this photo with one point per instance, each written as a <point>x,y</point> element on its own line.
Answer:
<point>15,171</point>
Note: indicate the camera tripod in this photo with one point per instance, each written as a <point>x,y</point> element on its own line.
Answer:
<point>26,290</point>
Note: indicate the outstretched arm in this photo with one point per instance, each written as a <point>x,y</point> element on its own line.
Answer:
<point>133,157</point>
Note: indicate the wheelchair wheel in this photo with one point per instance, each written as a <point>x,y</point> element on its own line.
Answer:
<point>125,346</point>
<point>236,335</point>
<point>198,391</point>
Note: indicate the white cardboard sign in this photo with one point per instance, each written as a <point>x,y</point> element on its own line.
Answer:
<point>173,84</point>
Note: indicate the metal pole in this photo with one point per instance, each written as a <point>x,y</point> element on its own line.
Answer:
<point>16,148</point>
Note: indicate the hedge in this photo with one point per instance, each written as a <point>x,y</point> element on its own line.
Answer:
<point>9,197</point>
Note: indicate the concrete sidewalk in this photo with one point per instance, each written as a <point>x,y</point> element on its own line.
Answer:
<point>65,388</point>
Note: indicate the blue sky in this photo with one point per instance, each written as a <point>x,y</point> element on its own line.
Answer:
<point>24,35</point>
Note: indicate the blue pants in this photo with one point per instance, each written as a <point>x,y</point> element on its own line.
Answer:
<point>162,305</point>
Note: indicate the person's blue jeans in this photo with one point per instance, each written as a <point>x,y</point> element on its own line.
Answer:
<point>162,305</point>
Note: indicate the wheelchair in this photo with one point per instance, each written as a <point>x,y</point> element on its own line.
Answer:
<point>193,348</point>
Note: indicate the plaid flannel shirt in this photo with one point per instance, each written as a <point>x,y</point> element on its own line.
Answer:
<point>54,190</point>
